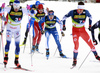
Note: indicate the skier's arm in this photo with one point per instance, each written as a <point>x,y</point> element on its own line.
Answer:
<point>61,25</point>
<point>96,25</point>
<point>66,16</point>
<point>40,22</point>
<point>90,18</point>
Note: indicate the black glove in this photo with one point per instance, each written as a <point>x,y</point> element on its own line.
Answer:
<point>95,42</point>
<point>42,32</point>
<point>1,32</point>
<point>64,28</point>
<point>62,33</point>
<point>26,33</point>
<point>3,18</point>
<point>89,28</point>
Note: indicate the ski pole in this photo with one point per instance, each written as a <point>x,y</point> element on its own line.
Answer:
<point>2,35</point>
<point>84,60</point>
<point>56,48</point>
<point>29,33</point>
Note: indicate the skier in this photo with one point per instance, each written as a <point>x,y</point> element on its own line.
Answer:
<point>15,14</point>
<point>41,12</point>
<point>78,30</point>
<point>50,28</point>
<point>96,25</point>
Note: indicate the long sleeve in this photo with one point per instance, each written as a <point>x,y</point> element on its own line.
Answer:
<point>96,25</point>
<point>61,25</point>
<point>66,16</point>
<point>40,22</point>
<point>90,17</point>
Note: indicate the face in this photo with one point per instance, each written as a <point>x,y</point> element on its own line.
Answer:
<point>16,7</point>
<point>40,10</point>
<point>80,11</point>
<point>51,17</point>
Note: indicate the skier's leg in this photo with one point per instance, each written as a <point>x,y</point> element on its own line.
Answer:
<point>76,45</point>
<point>87,39</point>
<point>17,50</point>
<point>47,35</point>
<point>56,37</point>
<point>7,46</point>
<point>34,38</point>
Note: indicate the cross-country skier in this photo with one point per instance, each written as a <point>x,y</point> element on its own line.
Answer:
<point>96,25</point>
<point>41,12</point>
<point>50,28</point>
<point>15,14</point>
<point>78,30</point>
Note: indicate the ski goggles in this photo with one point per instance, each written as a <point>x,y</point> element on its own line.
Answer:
<point>51,13</point>
<point>41,10</point>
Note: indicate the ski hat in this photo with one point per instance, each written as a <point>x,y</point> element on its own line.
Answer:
<point>40,6</point>
<point>51,12</point>
<point>38,2</point>
<point>16,4</point>
<point>81,5</point>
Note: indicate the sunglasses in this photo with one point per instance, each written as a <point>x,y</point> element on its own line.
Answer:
<point>41,10</point>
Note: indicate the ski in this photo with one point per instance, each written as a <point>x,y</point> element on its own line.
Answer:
<point>24,69</point>
<point>72,67</point>
<point>39,52</point>
<point>68,57</point>
<point>95,61</point>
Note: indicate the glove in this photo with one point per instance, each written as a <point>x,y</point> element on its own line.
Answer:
<point>42,32</point>
<point>1,32</point>
<point>26,33</point>
<point>89,28</point>
<point>62,33</point>
<point>64,28</point>
<point>95,42</point>
<point>3,5</point>
<point>3,18</point>
<point>28,7</point>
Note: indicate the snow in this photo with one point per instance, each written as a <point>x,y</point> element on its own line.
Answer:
<point>55,64</point>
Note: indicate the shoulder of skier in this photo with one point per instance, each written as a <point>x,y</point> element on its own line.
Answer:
<point>58,20</point>
<point>88,14</point>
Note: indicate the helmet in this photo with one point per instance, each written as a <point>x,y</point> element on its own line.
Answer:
<point>37,3</point>
<point>16,4</point>
<point>40,6</point>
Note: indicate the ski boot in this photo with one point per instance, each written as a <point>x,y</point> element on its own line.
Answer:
<point>5,59</point>
<point>97,57</point>
<point>33,49</point>
<point>74,62</point>
<point>17,63</point>
<point>37,47</point>
<point>47,53</point>
<point>62,55</point>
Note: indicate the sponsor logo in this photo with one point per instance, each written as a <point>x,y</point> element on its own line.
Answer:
<point>79,16</point>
